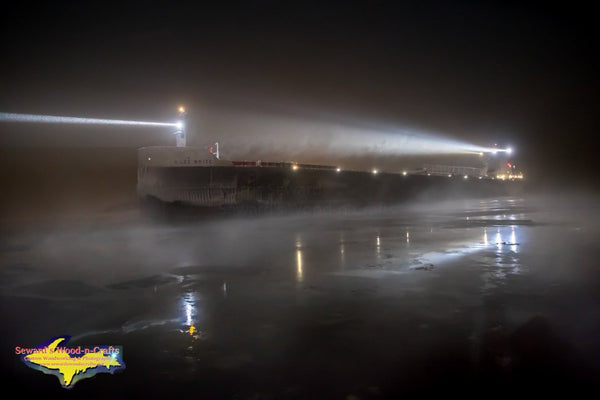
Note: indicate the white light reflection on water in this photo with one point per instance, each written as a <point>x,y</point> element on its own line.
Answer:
<point>513,239</point>
<point>506,261</point>
<point>189,307</point>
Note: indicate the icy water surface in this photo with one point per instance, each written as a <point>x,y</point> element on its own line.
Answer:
<point>478,297</point>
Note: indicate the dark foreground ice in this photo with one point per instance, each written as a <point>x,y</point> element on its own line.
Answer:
<point>478,298</point>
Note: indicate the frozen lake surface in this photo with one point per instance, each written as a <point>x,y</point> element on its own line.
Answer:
<point>483,295</point>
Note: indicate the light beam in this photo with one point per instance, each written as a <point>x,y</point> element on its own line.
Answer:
<point>52,119</point>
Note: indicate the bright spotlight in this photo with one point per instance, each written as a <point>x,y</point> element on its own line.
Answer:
<point>181,109</point>
<point>508,150</point>
<point>338,169</point>
<point>404,173</point>
<point>54,119</point>
<point>179,125</point>
<point>375,172</point>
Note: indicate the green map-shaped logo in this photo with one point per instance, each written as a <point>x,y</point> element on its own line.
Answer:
<point>70,365</point>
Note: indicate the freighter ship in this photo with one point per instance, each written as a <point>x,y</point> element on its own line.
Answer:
<point>197,176</point>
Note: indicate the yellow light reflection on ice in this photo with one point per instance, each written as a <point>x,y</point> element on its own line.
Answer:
<point>299,270</point>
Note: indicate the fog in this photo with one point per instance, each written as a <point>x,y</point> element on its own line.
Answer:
<point>388,300</point>
<point>259,134</point>
<point>442,294</point>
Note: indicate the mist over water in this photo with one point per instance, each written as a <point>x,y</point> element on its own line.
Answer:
<point>373,302</point>
<point>442,295</point>
<point>388,301</point>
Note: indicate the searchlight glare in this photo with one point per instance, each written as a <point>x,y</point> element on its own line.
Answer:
<point>341,139</point>
<point>495,151</point>
<point>53,119</point>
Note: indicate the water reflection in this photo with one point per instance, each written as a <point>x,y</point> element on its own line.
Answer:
<point>342,250</point>
<point>506,260</point>
<point>407,237</point>
<point>378,247</point>
<point>485,237</point>
<point>513,239</point>
<point>189,306</point>
<point>299,267</point>
<point>299,271</point>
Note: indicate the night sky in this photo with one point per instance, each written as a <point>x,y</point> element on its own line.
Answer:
<point>484,72</point>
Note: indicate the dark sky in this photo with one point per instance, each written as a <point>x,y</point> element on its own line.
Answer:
<point>524,74</point>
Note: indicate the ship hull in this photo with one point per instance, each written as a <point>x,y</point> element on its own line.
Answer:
<point>265,187</point>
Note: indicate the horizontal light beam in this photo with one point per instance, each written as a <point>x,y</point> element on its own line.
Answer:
<point>52,119</point>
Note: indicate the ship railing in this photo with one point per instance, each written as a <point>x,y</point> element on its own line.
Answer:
<point>453,170</point>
